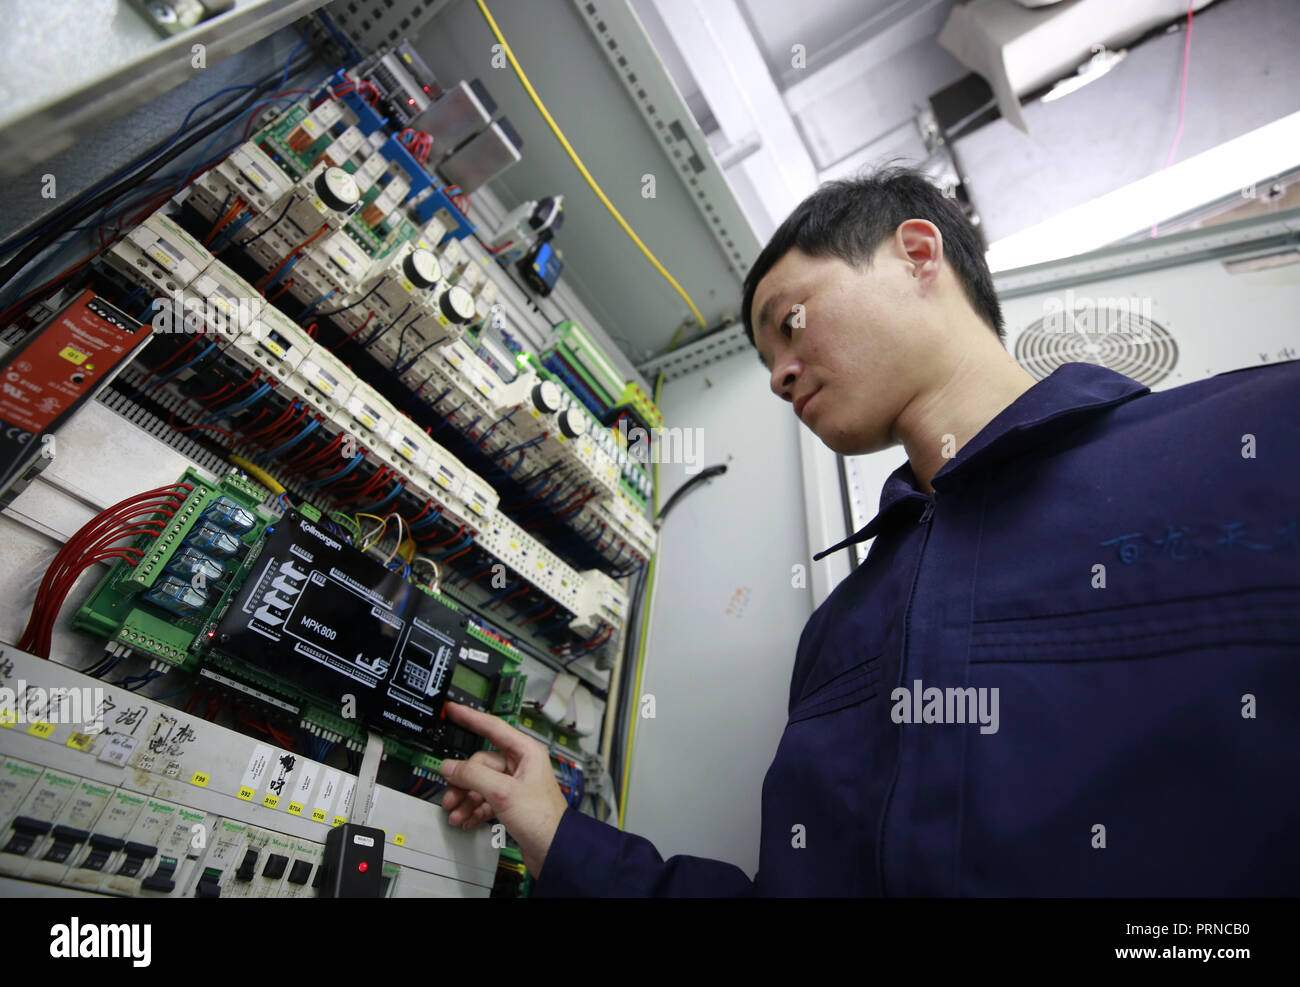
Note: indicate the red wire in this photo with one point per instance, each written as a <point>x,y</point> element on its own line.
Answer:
<point>90,544</point>
<point>293,253</point>
<point>353,335</point>
<point>281,290</point>
<point>544,613</point>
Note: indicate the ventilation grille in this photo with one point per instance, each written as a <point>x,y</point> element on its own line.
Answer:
<point>1111,336</point>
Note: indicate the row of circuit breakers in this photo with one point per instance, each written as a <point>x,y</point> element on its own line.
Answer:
<point>105,791</point>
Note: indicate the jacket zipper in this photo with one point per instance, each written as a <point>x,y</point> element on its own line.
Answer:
<point>924,519</point>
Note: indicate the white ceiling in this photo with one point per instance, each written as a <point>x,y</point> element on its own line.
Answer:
<point>869,69</point>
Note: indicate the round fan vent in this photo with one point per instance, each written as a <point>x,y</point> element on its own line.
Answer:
<point>1113,333</point>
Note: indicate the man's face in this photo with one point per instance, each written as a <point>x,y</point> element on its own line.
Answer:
<point>837,341</point>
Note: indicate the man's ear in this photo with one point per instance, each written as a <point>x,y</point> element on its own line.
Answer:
<point>921,243</point>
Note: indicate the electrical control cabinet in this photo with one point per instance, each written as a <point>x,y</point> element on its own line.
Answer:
<point>369,499</point>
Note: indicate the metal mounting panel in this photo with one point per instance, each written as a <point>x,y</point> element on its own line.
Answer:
<point>72,67</point>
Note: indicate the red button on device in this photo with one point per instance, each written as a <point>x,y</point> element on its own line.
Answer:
<point>362,866</point>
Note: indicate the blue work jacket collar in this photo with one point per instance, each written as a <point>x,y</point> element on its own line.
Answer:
<point>1057,403</point>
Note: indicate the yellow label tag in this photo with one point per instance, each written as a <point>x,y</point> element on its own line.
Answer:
<point>270,801</point>
<point>295,809</point>
<point>80,741</point>
<point>443,482</point>
<point>340,820</point>
<point>476,507</point>
<point>320,206</point>
<point>452,358</point>
<point>561,438</point>
<point>8,717</point>
<point>274,347</point>
<point>245,793</point>
<point>41,730</point>
<point>324,386</point>
<point>399,839</point>
<point>309,125</point>
<point>367,421</point>
<point>405,453</point>
<point>541,566</point>
<point>318,815</point>
<point>253,176</point>
<point>484,389</point>
<point>514,545</point>
<point>536,413</point>
<point>163,258</point>
<point>444,322</point>
<point>200,778</point>
<point>405,283</point>
<point>72,356</point>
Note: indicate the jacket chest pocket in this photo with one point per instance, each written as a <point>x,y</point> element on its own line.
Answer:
<point>1264,617</point>
<point>857,684</point>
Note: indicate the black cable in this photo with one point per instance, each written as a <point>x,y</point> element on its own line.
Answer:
<point>687,487</point>
<point>336,311</point>
<point>73,214</point>
<point>275,222</point>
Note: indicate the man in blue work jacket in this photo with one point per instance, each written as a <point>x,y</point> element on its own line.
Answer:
<point>1070,664</point>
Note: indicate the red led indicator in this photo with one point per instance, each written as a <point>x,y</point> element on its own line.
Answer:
<point>411,101</point>
<point>362,866</point>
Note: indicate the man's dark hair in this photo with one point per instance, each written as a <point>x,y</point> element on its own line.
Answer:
<point>851,217</point>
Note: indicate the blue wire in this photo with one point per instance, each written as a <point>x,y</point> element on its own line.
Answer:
<point>310,308</point>
<point>286,446</point>
<point>283,273</point>
<point>162,380</point>
<point>378,506</point>
<point>239,405</point>
<point>338,474</point>
<point>432,519</point>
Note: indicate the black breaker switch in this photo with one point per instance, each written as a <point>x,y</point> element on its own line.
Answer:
<point>26,831</point>
<point>209,885</point>
<point>136,855</point>
<point>299,872</point>
<point>101,848</point>
<point>162,879</point>
<point>248,869</point>
<point>66,839</point>
<point>275,865</point>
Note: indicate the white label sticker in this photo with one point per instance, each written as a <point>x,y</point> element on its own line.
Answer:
<point>363,840</point>
<point>118,749</point>
<point>262,759</point>
<point>329,791</point>
<point>345,800</point>
<point>302,792</point>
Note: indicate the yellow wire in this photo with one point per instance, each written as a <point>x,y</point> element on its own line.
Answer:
<point>259,474</point>
<point>555,128</point>
<point>383,526</point>
<point>640,656</point>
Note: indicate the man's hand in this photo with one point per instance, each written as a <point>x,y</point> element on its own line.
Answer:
<point>516,786</point>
